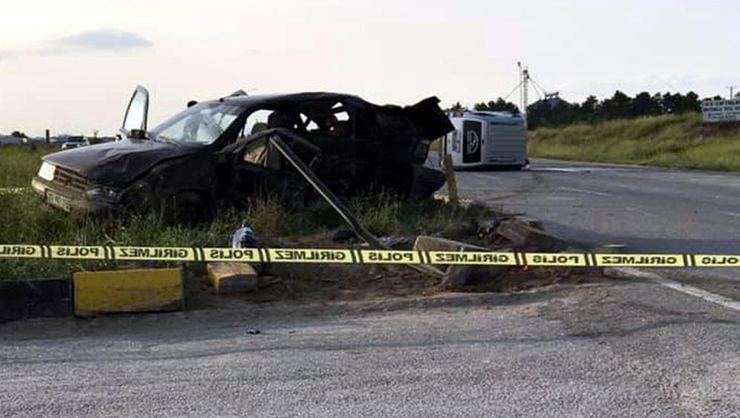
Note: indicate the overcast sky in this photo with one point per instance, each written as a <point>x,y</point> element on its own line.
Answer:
<point>71,65</point>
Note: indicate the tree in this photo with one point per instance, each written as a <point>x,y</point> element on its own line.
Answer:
<point>553,111</point>
<point>587,111</point>
<point>644,105</point>
<point>18,134</point>
<point>618,106</point>
<point>691,103</point>
<point>500,105</point>
<point>457,107</point>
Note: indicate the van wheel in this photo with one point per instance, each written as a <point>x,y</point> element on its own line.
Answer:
<point>187,208</point>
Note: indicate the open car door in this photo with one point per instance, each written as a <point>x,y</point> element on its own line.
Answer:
<point>135,119</point>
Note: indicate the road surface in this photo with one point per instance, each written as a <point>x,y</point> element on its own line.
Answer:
<point>607,349</point>
<point>648,209</point>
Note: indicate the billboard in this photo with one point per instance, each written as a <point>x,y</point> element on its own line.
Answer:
<point>721,110</point>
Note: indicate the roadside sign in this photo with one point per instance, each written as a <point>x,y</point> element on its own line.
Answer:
<point>720,110</point>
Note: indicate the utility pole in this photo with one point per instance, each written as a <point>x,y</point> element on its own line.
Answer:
<point>523,89</point>
<point>732,90</point>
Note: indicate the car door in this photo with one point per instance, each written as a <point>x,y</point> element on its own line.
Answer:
<point>137,113</point>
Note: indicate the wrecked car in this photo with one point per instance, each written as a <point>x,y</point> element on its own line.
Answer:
<point>218,153</point>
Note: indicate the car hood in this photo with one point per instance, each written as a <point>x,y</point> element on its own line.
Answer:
<point>118,163</point>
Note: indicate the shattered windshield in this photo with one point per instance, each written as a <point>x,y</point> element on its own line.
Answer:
<point>200,124</point>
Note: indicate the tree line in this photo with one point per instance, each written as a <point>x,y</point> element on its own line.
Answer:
<point>554,111</point>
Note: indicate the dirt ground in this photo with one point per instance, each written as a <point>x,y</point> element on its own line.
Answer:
<point>307,283</point>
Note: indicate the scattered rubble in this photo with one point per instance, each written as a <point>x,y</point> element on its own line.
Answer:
<point>460,276</point>
<point>496,231</point>
<point>524,236</point>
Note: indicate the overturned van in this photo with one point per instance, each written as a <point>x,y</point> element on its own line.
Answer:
<point>214,154</point>
<point>485,139</point>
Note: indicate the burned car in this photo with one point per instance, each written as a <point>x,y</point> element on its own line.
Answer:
<point>218,153</point>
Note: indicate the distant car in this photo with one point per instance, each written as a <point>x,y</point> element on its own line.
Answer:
<point>75,142</point>
<point>218,153</point>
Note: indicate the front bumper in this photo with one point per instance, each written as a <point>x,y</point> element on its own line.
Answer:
<point>70,200</point>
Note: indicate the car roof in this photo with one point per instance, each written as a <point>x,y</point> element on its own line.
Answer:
<point>252,101</point>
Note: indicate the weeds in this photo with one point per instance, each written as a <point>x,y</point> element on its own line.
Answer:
<point>677,141</point>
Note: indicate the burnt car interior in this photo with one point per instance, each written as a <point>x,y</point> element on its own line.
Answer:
<point>353,147</point>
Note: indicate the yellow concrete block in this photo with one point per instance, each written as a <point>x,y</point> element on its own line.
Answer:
<point>232,277</point>
<point>137,290</point>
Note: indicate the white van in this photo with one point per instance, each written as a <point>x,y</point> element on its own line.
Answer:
<point>483,139</point>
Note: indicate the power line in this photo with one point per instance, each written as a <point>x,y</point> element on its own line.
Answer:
<point>512,91</point>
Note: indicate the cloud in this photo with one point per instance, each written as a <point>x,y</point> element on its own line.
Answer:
<point>90,41</point>
<point>104,39</point>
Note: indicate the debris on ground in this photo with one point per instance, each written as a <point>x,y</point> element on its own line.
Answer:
<point>326,282</point>
<point>460,276</point>
<point>231,277</point>
<point>487,226</point>
<point>396,243</point>
<point>525,236</point>
<point>244,237</point>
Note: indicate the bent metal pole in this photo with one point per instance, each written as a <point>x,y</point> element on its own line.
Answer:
<point>332,199</point>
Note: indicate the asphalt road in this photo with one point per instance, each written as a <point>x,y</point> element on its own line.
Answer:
<point>648,209</point>
<point>610,349</point>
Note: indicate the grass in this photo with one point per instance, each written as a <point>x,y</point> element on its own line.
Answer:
<point>27,220</point>
<point>675,141</point>
<point>18,164</point>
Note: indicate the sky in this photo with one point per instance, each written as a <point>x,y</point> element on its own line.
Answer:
<point>71,66</point>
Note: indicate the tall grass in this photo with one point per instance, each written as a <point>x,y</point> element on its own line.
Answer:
<point>18,164</point>
<point>679,141</point>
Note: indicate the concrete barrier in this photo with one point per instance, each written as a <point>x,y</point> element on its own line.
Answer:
<point>120,291</point>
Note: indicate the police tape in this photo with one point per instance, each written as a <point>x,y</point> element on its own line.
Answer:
<point>362,256</point>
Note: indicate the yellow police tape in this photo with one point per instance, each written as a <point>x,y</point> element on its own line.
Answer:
<point>363,256</point>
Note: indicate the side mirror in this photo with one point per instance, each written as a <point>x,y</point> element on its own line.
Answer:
<point>137,111</point>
